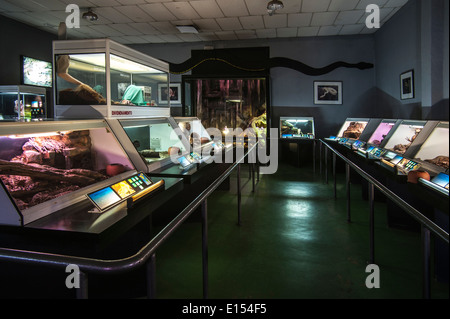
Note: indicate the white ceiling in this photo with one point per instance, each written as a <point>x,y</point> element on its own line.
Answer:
<point>154,21</point>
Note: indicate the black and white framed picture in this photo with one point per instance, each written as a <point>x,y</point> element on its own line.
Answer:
<point>407,85</point>
<point>173,93</point>
<point>327,92</point>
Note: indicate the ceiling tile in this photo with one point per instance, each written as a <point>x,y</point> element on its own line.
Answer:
<point>227,24</point>
<point>112,14</point>
<point>351,29</point>
<point>152,39</point>
<point>164,27</point>
<point>323,18</point>
<point>158,12</point>
<point>343,5</point>
<point>329,30</point>
<point>208,36</point>
<point>293,6</point>
<point>275,21</point>
<point>135,39</point>
<point>125,28</point>
<point>135,13</point>
<point>105,3</point>
<point>245,34</point>
<point>49,4</point>
<point>226,35</point>
<point>299,19</point>
<point>169,37</point>
<point>6,6</point>
<point>266,33</point>
<point>315,6</point>
<point>349,17</point>
<point>128,2</point>
<point>122,40</point>
<point>396,3</point>
<point>144,27</point>
<point>308,31</point>
<point>233,8</point>
<point>207,9</point>
<point>364,3</point>
<point>182,10</point>
<point>256,7</point>
<point>189,37</point>
<point>252,22</point>
<point>206,25</point>
<point>287,32</point>
<point>106,29</point>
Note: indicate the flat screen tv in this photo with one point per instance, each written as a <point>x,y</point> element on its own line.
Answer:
<point>36,72</point>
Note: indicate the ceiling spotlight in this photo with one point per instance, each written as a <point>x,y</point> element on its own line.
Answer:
<point>275,5</point>
<point>90,15</point>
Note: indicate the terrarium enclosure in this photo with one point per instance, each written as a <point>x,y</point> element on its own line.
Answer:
<point>403,137</point>
<point>435,148</point>
<point>381,134</point>
<point>353,128</point>
<point>22,102</point>
<point>150,142</point>
<point>102,78</point>
<point>47,166</point>
<point>296,127</point>
<point>228,103</point>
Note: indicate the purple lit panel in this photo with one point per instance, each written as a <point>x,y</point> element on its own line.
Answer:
<point>379,135</point>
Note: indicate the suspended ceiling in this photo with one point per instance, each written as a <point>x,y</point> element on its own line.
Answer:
<point>155,21</point>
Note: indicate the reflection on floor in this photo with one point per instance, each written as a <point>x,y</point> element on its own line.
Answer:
<point>294,242</point>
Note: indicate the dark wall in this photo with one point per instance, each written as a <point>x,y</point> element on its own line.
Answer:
<point>20,39</point>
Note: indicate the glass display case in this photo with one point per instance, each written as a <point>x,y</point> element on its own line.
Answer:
<point>404,136</point>
<point>297,127</point>
<point>48,166</point>
<point>382,132</point>
<point>99,78</point>
<point>22,102</point>
<point>434,151</point>
<point>150,143</point>
<point>193,129</point>
<point>353,128</point>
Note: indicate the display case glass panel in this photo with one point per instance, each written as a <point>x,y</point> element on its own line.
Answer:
<point>114,80</point>
<point>353,128</point>
<point>22,102</point>
<point>154,139</point>
<point>435,148</point>
<point>297,127</point>
<point>44,167</point>
<point>193,129</point>
<point>381,132</point>
<point>404,136</point>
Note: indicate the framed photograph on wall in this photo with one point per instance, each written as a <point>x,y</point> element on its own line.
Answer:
<point>174,93</point>
<point>327,92</point>
<point>407,85</point>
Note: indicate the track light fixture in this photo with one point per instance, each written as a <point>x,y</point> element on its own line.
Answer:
<point>90,15</point>
<point>274,5</point>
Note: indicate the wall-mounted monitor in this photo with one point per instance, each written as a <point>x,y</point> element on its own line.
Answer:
<point>36,72</point>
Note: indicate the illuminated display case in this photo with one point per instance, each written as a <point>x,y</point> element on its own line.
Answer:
<point>49,166</point>
<point>409,136</point>
<point>116,81</point>
<point>353,128</point>
<point>297,127</point>
<point>433,153</point>
<point>150,142</point>
<point>22,102</point>
<point>193,129</point>
<point>382,133</point>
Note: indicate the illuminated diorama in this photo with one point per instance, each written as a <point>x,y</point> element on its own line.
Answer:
<point>228,104</point>
<point>379,136</point>
<point>47,166</point>
<point>22,102</point>
<point>296,127</point>
<point>404,136</point>
<point>353,128</point>
<point>100,78</point>
<point>150,143</point>
<point>435,148</point>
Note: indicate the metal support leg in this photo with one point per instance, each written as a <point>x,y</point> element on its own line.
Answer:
<point>314,156</point>
<point>426,262</point>
<point>239,192</point>
<point>151,277</point>
<point>205,248</point>
<point>372,227</point>
<point>347,181</point>
<point>253,177</point>
<point>82,292</point>
<point>320,158</point>
<point>334,175</point>
<point>326,165</point>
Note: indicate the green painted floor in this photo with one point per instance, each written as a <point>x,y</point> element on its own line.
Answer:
<point>294,243</point>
